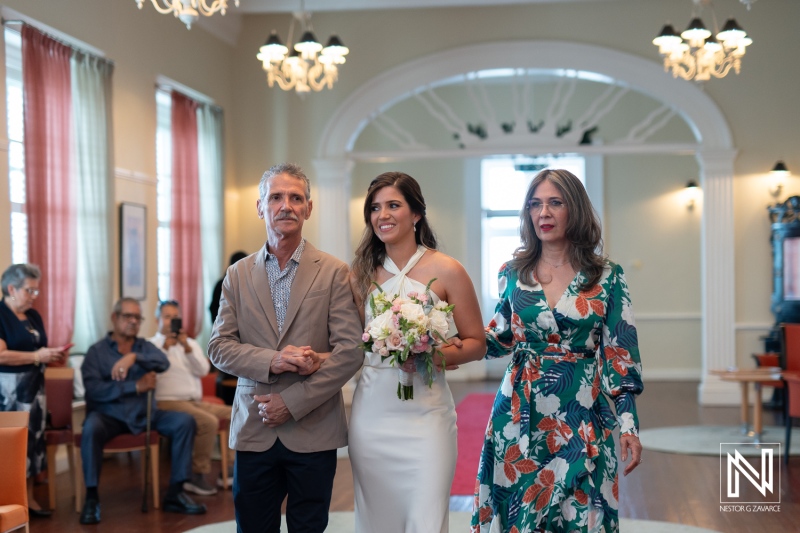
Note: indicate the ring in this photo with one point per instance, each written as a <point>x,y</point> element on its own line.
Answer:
<point>121,370</point>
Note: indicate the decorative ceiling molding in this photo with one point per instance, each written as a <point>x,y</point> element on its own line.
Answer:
<point>620,70</point>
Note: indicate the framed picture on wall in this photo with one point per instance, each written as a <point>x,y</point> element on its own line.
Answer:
<point>132,250</point>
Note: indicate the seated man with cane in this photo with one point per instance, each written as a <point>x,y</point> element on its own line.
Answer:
<point>118,371</point>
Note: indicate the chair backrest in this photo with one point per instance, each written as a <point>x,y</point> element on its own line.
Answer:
<point>14,451</point>
<point>790,353</point>
<point>58,387</point>
<point>209,382</point>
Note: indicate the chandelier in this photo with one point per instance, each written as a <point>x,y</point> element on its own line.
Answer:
<point>189,10</point>
<point>308,66</point>
<point>696,53</point>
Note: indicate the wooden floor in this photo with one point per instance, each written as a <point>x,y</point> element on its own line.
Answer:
<point>667,487</point>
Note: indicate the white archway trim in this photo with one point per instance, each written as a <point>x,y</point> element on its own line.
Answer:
<point>714,151</point>
<point>695,106</point>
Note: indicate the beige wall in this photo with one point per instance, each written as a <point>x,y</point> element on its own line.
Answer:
<point>645,222</point>
<point>143,45</point>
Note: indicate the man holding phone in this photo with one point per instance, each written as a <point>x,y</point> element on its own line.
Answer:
<point>180,389</point>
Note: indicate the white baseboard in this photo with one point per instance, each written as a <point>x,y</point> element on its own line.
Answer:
<point>671,374</point>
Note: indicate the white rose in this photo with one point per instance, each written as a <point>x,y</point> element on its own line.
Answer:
<point>547,405</point>
<point>381,326</point>
<point>438,323</point>
<point>413,313</point>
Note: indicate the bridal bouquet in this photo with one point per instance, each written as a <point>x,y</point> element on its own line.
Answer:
<point>405,327</point>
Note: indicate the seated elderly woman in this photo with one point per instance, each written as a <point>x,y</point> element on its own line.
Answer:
<point>23,356</point>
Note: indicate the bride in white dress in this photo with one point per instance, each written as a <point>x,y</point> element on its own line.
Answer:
<point>403,453</point>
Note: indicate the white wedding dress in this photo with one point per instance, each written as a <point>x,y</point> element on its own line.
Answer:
<point>403,453</point>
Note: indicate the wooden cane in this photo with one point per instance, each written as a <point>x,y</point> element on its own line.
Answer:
<point>147,452</point>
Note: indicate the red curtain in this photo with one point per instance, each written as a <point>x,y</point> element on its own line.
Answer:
<point>49,203</point>
<point>186,268</point>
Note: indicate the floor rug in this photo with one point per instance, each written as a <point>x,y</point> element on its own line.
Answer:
<point>459,523</point>
<point>473,415</point>
<point>705,440</point>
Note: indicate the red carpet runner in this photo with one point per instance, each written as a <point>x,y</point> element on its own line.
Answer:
<point>473,415</point>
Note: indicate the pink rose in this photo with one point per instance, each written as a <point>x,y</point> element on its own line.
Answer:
<point>395,341</point>
<point>365,337</point>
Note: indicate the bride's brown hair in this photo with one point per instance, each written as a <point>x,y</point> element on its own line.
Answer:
<point>371,251</point>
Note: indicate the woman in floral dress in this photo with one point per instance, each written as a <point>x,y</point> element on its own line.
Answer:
<point>548,462</point>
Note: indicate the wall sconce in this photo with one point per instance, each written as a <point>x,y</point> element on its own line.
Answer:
<point>691,192</point>
<point>778,179</point>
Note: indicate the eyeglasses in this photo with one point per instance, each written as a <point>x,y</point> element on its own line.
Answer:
<point>536,206</point>
<point>131,316</point>
<point>32,292</point>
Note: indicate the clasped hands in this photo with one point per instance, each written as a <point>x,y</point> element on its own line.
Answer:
<point>300,359</point>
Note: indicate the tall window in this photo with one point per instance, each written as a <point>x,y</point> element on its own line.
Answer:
<point>163,188</point>
<point>504,182</point>
<point>189,167</point>
<point>16,148</point>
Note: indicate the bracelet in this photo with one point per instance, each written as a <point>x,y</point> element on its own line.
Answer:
<point>36,359</point>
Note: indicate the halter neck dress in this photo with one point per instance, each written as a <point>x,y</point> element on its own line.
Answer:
<point>403,453</point>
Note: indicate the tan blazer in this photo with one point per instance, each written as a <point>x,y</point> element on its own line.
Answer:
<point>245,338</point>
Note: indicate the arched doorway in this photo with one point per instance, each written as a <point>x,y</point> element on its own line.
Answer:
<point>712,148</point>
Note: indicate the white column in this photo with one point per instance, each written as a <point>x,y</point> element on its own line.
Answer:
<point>332,211</point>
<point>332,206</point>
<point>718,280</point>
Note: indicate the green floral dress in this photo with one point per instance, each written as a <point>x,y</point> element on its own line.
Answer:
<point>548,462</point>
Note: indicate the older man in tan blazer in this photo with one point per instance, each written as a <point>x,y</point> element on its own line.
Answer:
<point>288,328</point>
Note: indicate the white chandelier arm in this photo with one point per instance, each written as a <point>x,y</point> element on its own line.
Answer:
<point>174,6</point>
<point>561,109</point>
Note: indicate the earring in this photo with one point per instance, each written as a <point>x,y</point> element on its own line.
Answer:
<point>415,227</point>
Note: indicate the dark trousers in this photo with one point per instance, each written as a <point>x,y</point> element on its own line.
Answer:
<point>99,429</point>
<point>261,480</point>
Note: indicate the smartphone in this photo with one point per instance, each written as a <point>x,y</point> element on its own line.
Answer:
<point>66,347</point>
<point>176,325</point>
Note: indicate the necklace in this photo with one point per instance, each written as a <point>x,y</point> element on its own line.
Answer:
<point>554,265</point>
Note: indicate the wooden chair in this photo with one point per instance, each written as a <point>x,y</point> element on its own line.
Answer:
<point>120,444</point>
<point>13,466</point>
<point>790,347</point>
<point>58,383</point>
<point>792,380</point>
